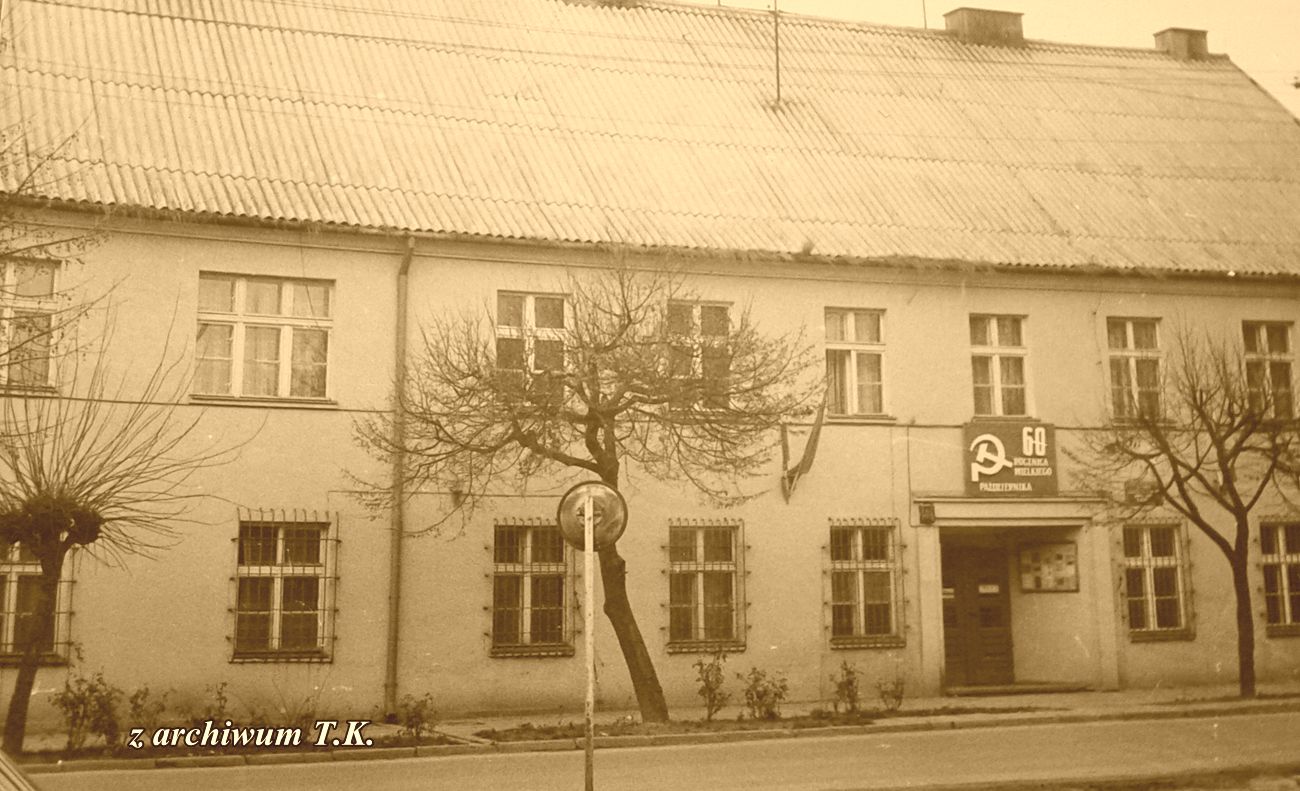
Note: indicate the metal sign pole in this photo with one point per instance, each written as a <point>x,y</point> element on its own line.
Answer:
<point>589,626</point>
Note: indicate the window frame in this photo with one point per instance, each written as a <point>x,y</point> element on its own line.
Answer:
<point>324,571</point>
<point>698,343</point>
<point>859,565</point>
<point>1286,559</point>
<point>1265,355</point>
<point>13,568</point>
<point>1147,563</point>
<point>854,348</point>
<point>995,351</point>
<point>700,642</point>
<point>526,569</point>
<point>241,320</point>
<point>13,304</point>
<point>1130,355</point>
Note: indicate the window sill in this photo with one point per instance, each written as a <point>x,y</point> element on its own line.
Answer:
<point>250,657</point>
<point>707,647</point>
<point>1004,419</point>
<point>530,651</point>
<point>261,402</point>
<point>39,391</point>
<point>47,660</point>
<point>882,641</point>
<point>1282,630</point>
<point>1161,635</point>
<point>861,420</point>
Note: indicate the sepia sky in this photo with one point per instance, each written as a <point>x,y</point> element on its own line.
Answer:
<point>1261,36</point>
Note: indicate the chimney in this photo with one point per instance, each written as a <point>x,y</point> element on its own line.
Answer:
<point>1182,43</point>
<point>982,26</point>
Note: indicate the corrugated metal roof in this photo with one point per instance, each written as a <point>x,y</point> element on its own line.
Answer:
<point>655,125</point>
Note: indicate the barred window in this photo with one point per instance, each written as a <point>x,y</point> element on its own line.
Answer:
<point>262,337</point>
<point>998,365</point>
<point>532,577</point>
<point>1280,562</point>
<point>1268,366</point>
<point>1134,367</point>
<point>706,602</point>
<point>27,329</point>
<point>1155,581</point>
<point>864,575</point>
<point>284,590</point>
<point>20,580</point>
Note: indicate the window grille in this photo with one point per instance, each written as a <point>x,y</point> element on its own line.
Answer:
<point>20,577</point>
<point>532,590</point>
<point>706,586</point>
<point>1155,578</point>
<point>1280,564</point>
<point>285,585</point>
<point>865,583</point>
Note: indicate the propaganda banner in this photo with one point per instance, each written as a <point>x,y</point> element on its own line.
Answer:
<point>1009,459</point>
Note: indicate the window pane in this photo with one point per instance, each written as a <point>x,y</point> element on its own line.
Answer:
<point>510,353</point>
<point>1280,379</point>
<point>1268,535</point>
<point>835,321</point>
<point>870,390</point>
<point>1117,334</point>
<point>29,349</point>
<point>979,331</point>
<point>1291,536</point>
<point>844,599</point>
<point>1144,335</point>
<point>842,543</point>
<point>548,545</point>
<point>33,279</point>
<point>1273,594</point>
<point>1132,542</point>
<point>257,545</point>
<point>718,544</point>
<point>508,546</point>
<point>1162,542</point>
<point>875,543</point>
<point>866,326</point>
<point>681,544</point>
<point>216,293</point>
<point>546,621</point>
<point>1009,331</point>
<point>715,365</point>
<point>1121,385</point>
<point>311,300</point>
<point>681,606</point>
<point>510,310</point>
<point>1250,332</point>
<point>1013,385</point>
<point>719,620</point>
<point>261,361</point>
<point>214,356</point>
<point>310,353</point>
<point>876,592</point>
<point>1278,338</point>
<point>302,545</point>
<point>262,297</point>
<point>714,321</point>
<point>548,355</point>
<point>28,620</point>
<point>981,369</point>
<point>548,312</point>
<point>507,609</point>
<point>837,382</point>
<point>680,320</point>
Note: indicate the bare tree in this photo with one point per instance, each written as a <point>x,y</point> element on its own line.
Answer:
<point>1209,440</point>
<point>103,464</point>
<point>629,369</point>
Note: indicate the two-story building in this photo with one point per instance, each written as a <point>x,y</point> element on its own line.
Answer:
<point>992,240</point>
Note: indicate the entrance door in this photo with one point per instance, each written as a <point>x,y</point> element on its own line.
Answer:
<point>976,615</point>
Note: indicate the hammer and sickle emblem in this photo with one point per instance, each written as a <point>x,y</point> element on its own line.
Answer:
<point>990,459</point>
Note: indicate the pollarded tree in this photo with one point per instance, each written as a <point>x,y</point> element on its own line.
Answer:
<point>627,369</point>
<point>1210,437</point>
<point>100,463</point>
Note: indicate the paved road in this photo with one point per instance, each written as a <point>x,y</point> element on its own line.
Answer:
<point>1076,752</point>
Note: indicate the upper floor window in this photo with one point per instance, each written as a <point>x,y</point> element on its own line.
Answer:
<point>27,313</point>
<point>864,585</point>
<point>998,365</point>
<point>530,338</point>
<point>1155,581</point>
<point>1134,367</point>
<point>532,573</point>
<point>1280,559</point>
<point>700,352</point>
<point>283,590</point>
<point>1268,366</point>
<point>855,353</point>
<point>20,616</point>
<point>706,602</point>
<point>262,337</point>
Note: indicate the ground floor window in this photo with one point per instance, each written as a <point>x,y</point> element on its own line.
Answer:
<point>706,601</point>
<point>20,579</point>
<point>532,576</point>
<point>284,586</point>
<point>1280,561</point>
<point>864,577</point>
<point>1155,581</point>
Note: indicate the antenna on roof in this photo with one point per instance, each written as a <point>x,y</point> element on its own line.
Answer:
<point>925,18</point>
<point>776,29</point>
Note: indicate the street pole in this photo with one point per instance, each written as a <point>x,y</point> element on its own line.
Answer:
<point>589,627</point>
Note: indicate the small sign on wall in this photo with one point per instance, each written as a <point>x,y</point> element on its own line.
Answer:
<point>1048,568</point>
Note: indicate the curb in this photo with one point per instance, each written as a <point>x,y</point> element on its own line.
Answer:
<point>484,747</point>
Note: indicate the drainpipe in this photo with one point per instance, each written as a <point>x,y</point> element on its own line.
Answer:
<point>398,528</point>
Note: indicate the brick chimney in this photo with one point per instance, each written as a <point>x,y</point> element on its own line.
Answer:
<point>1182,43</point>
<point>982,26</point>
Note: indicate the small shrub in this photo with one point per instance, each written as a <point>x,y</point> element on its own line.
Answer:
<point>216,705</point>
<point>711,675</point>
<point>846,688</point>
<point>764,694</point>
<point>416,716</point>
<point>89,706</point>
<point>145,710</point>
<point>891,693</point>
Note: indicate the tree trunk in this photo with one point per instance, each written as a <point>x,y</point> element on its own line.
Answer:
<point>47,596</point>
<point>645,681</point>
<point>1245,625</point>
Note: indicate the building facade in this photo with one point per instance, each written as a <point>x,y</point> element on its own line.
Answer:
<point>987,268</point>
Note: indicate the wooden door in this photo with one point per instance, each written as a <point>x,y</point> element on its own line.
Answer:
<point>976,616</point>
